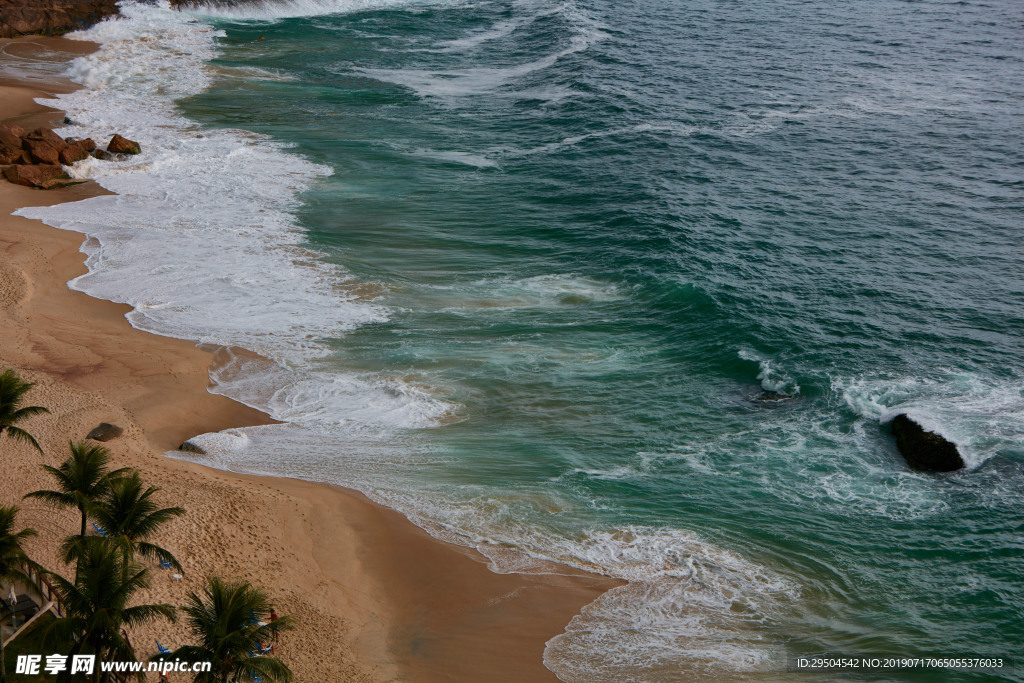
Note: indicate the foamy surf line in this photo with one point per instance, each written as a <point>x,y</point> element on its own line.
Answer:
<point>203,253</point>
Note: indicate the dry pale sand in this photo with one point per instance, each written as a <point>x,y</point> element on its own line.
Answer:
<point>374,597</point>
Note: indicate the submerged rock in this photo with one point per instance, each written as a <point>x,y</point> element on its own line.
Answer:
<point>190,447</point>
<point>924,450</point>
<point>105,432</point>
<point>120,145</point>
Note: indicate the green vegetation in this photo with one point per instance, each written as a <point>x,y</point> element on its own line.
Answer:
<point>12,393</point>
<point>82,480</point>
<point>12,555</point>
<point>225,622</point>
<point>129,516</point>
<point>99,604</point>
<point>96,605</point>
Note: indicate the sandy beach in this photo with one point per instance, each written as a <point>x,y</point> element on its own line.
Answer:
<point>374,597</point>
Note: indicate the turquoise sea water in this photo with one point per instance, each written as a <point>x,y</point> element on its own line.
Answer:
<point>576,242</point>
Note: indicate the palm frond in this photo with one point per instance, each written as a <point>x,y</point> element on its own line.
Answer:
<point>19,434</point>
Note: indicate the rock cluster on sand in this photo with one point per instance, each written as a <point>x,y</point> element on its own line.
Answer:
<point>925,450</point>
<point>35,158</point>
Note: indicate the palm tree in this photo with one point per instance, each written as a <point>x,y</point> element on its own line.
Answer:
<point>12,559</point>
<point>97,605</point>
<point>129,516</point>
<point>12,391</point>
<point>225,623</point>
<point>82,480</point>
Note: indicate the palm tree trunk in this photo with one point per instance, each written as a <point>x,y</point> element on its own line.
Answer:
<point>3,662</point>
<point>85,518</point>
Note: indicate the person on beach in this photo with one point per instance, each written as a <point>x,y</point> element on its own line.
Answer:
<point>273,627</point>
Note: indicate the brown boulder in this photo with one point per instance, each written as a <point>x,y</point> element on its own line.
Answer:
<point>76,151</point>
<point>120,145</point>
<point>21,17</point>
<point>37,175</point>
<point>49,137</point>
<point>10,144</point>
<point>85,143</point>
<point>41,152</point>
<point>105,432</point>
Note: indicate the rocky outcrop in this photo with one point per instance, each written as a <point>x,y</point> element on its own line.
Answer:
<point>42,176</point>
<point>36,157</point>
<point>40,152</point>
<point>925,450</point>
<point>54,17</point>
<point>120,145</point>
<point>10,144</point>
<point>105,432</point>
<point>51,17</point>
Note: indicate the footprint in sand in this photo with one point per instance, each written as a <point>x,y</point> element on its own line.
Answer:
<point>14,287</point>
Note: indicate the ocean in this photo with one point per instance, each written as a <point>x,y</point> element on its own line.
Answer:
<point>633,287</point>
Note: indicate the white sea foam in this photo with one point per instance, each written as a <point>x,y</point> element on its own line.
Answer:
<point>673,129</point>
<point>689,607</point>
<point>526,14</point>
<point>771,378</point>
<point>452,84</point>
<point>539,291</point>
<point>264,10</point>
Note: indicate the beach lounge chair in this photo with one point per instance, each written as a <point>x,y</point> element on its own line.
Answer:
<point>100,530</point>
<point>22,610</point>
<point>163,650</point>
<point>261,650</point>
<point>165,564</point>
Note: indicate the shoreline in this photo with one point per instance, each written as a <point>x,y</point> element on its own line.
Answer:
<point>374,597</point>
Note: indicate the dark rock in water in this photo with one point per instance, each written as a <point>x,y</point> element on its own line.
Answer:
<point>120,145</point>
<point>105,432</point>
<point>44,176</point>
<point>190,447</point>
<point>102,155</point>
<point>923,450</point>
